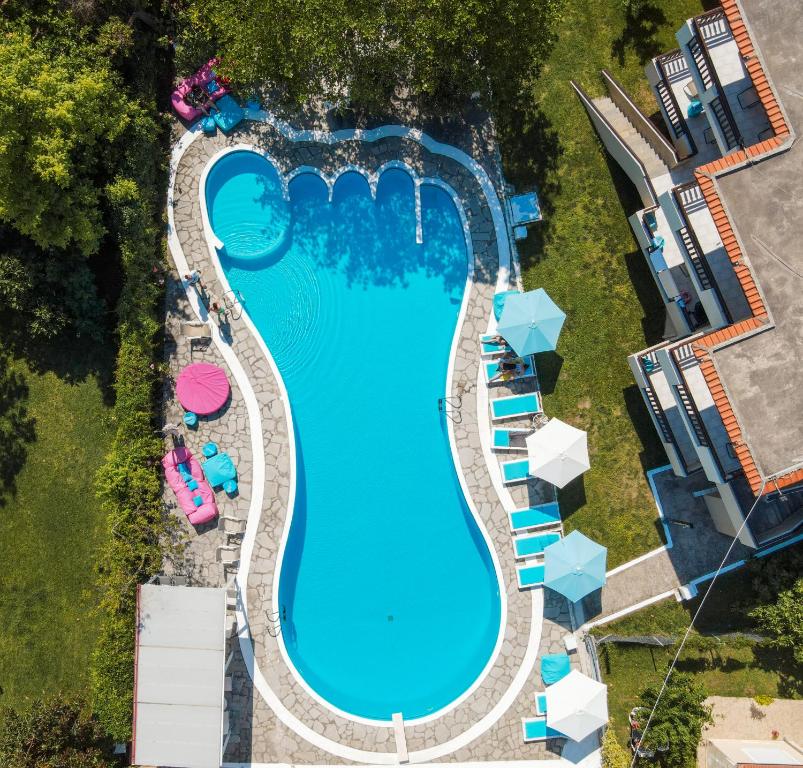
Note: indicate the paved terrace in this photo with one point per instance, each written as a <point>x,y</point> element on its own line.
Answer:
<point>765,203</point>
<point>258,735</point>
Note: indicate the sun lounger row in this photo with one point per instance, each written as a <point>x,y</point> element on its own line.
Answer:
<point>539,516</point>
<point>494,373</point>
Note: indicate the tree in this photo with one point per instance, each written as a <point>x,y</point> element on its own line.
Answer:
<point>614,755</point>
<point>782,620</point>
<point>678,720</point>
<point>52,734</point>
<point>362,50</point>
<point>62,115</point>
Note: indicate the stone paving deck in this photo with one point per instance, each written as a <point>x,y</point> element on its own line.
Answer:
<point>258,735</point>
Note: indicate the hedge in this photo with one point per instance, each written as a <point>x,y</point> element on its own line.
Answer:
<point>129,483</point>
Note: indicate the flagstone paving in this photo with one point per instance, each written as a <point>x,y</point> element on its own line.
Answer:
<point>257,733</point>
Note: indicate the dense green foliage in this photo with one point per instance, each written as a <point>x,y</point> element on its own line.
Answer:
<point>782,620</point>
<point>678,719</point>
<point>614,755</point>
<point>361,52</point>
<point>82,174</point>
<point>54,733</point>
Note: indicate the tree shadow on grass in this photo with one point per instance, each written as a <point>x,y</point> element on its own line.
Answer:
<point>16,427</point>
<point>643,21</point>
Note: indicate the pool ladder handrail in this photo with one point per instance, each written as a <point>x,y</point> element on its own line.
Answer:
<point>274,623</point>
<point>450,405</point>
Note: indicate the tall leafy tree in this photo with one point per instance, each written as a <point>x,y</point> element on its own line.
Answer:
<point>358,50</point>
<point>783,620</point>
<point>62,114</point>
<point>678,720</point>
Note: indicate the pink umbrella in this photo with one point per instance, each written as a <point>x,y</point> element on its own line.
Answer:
<point>202,388</point>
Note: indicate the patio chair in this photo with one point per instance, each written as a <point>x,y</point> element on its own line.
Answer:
<point>538,516</point>
<point>536,729</point>
<point>533,546</point>
<point>748,98</point>
<point>509,439</point>
<point>197,334</point>
<point>229,556</point>
<point>529,576</point>
<point>231,526</point>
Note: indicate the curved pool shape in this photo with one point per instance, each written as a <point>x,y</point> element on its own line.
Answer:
<point>388,594</point>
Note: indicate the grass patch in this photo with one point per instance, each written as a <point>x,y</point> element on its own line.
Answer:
<point>731,670</point>
<point>586,257</point>
<point>52,527</point>
<point>726,666</point>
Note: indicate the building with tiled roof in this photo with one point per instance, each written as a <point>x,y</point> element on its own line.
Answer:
<point>722,192</point>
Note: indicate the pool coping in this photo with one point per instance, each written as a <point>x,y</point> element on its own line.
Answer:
<point>503,247</point>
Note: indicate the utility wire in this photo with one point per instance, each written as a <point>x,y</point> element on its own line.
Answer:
<point>694,619</point>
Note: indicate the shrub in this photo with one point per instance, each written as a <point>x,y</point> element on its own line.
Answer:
<point>614,755</point>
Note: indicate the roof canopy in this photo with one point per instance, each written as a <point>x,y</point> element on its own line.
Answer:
<point>178,677</point>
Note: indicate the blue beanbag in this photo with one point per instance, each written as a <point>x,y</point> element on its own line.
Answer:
<point>209,449</point>
<point>191,419</point>
<point>499,302</point>
<point>554,667</point>
<point>209,125</point>
<point>212,86</point>
<point>230,486</point>
<point>197,500</point>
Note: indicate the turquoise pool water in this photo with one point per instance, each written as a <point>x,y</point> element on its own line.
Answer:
<point>388,595</point>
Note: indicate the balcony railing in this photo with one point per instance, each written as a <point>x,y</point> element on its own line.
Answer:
<point>677,122</point>
<point>660,416</point>
<point>700,432</point>
<point>708,74</point>
<point>693,248</point>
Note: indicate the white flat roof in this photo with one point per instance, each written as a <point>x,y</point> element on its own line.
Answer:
<point>180,666</point>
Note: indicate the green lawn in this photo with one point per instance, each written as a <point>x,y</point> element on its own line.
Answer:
<point>51,528</point>
<point>585,256</point>
<point>729,666</point>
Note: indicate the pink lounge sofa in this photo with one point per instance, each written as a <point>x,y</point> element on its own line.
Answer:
<point>202,77</point>
<point>207,510</point>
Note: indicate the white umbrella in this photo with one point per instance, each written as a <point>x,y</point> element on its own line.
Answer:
<point>558,452</point>
<point>576,706</point>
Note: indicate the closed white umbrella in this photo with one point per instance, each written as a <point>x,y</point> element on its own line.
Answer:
<point>558,452</point>
<point>576,706</point>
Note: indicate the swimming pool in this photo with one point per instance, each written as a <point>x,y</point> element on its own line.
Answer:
<point>388,593</point>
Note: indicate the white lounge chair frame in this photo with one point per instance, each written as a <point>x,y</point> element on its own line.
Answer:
<point>518,414</point>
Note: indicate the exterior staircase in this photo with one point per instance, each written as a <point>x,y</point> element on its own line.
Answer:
<point>637,144</point>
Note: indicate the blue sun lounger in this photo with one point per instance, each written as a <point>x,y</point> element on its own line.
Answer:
<point>532,546</point>
<point>489,349</point>
<point>530,575</point>
<point>534,517</point>
<point>517,471</point>
<point>540,704</point>
<point>492,370</point>
<point>536,729</point>
<point>509,439</point>
<point>513,406</point>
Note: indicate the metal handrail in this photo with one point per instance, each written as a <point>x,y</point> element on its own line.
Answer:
<point>684,126</point>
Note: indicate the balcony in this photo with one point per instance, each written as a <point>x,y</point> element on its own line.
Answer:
<point>702,417</point>
<point>657,394</point>
<point>721,82</point>
<point>694,210</point>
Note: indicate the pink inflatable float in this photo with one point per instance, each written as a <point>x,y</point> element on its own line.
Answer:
<point>202,78</point>
<point>185,476</point>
